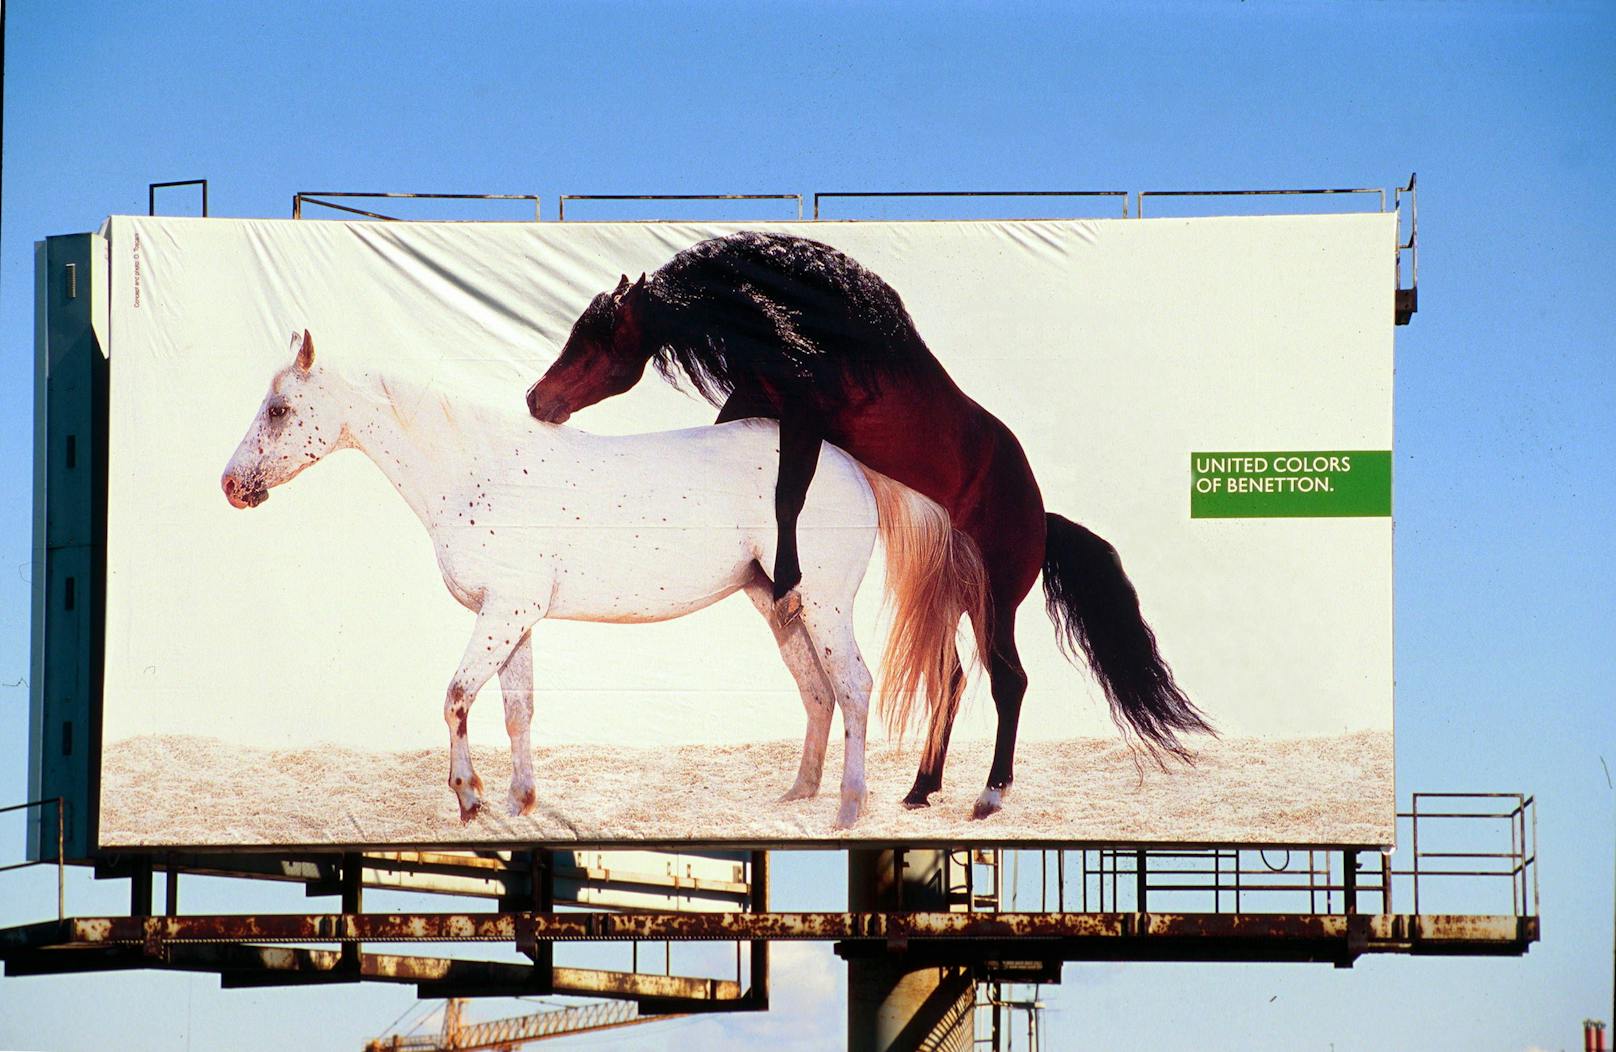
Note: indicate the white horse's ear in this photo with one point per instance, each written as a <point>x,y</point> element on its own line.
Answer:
<point>305,350</point>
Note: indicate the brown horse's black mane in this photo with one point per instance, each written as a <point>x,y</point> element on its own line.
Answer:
<point>752,308</point>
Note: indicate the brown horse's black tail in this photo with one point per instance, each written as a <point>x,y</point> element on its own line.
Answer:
<point>1096,610</point>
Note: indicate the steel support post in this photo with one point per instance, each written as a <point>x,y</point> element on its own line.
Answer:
<point>758,987</point>
<point>140,886</point>
<point>541,880</point>
<point>353,890</point>
<point>171,887</point>
<point>893,1002</point>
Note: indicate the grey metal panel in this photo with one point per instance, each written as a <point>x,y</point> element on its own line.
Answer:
<point>36,652</point>
<point>711,881</point>
<point>69,584</point>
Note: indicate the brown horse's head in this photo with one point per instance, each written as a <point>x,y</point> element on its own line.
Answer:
<point>604,356</point>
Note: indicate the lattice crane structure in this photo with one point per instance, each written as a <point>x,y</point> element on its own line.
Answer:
<point>512,1032</point>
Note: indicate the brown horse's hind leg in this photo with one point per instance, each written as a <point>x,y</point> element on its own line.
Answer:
<point>1009,683</point>
<point>1011,573</point>
<point>930,777</point>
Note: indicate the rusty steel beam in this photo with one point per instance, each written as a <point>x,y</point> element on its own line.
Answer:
<point>1397,932</point>
<point>590,982</point>
<point>486,875</point>
<point>990,945</point>
<point>239,966</point>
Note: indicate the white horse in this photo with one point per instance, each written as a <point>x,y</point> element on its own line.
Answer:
<point>532,520</point>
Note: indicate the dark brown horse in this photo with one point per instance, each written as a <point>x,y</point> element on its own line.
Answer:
<point>794,330</point>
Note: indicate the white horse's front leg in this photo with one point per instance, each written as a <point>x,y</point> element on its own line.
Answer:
<point>493,641</point>
<point>516,683</point>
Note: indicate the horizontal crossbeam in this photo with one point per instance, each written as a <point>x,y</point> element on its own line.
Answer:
<point>1065,936</point>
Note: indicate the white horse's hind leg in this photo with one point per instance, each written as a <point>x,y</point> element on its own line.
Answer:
<point>493,640</point>
<point>797,650</point>
<point>831,632</point>
<point>516,683</point>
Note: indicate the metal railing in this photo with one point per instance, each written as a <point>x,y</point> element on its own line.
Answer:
<point>1518,865</point>
<point>152,188</point>
<point>1479,840</point>
<point>1262,193</point>
<point>322,198</point>
<point>971,194</point>
<point>318,197</point>
<point>60,803</point>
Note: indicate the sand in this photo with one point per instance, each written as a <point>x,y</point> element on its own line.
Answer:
<point>200,791</point>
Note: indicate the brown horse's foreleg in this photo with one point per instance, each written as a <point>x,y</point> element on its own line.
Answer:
<point>742,405</point>
<point>930,777</point>
<point>800,438</point>
<point>1009,684</point>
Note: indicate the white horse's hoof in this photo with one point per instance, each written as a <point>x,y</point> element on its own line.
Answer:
<point>848,815</point>
<point>521,801</point>
<point>468,795</point>
<point>990,802</point>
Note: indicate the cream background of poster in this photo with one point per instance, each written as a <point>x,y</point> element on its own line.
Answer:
<point>1111,348</point>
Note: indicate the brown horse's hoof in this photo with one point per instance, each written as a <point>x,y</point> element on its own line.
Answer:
<point>991,802</point>
<point>788,609</point>
<point>916,800</point>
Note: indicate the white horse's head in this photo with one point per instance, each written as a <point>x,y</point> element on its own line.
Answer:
<point>296,425</point>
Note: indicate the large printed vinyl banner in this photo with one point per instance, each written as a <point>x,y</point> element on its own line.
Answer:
<point>1010,531</point>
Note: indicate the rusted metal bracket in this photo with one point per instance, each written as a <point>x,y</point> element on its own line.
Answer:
<point>527,938</point>
<point>152,947</point>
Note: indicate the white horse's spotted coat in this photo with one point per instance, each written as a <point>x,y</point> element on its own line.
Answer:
<point>534,520</point>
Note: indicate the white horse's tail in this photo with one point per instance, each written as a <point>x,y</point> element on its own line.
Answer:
<point>934,577</point>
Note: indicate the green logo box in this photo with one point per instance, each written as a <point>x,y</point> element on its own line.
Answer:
<point>1291,484</point>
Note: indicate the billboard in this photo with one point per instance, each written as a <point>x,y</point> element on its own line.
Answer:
<point>368,585</point>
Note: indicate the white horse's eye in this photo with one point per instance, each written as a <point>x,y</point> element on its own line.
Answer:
<point>278,411</point>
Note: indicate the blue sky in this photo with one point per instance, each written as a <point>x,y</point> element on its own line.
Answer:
<point>1505,380</point>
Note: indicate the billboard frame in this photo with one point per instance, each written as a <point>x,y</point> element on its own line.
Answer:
<point>71,332</point>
